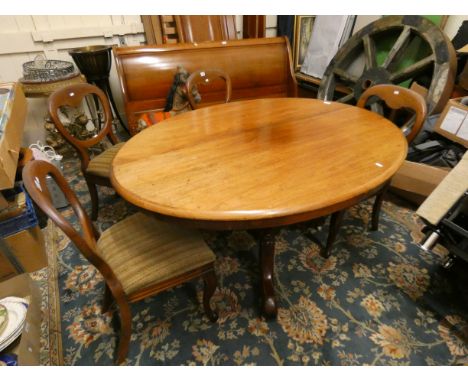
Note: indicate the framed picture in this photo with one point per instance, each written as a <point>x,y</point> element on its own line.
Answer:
<point>302,33</point>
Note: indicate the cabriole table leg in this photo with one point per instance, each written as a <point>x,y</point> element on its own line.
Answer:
<point>267,264</point>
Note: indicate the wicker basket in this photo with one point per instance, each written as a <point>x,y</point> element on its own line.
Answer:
<point>43,70</point>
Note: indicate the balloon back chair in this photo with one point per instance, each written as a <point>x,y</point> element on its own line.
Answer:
<point>408,110</point>
<point>137,257</point>
<point>96,170</point>
<point>212,85</point>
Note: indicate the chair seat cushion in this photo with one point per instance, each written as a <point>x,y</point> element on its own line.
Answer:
<point>143,251</point>
<point>101,164</point>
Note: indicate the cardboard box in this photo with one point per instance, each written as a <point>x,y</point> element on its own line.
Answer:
<point>421,90</point>
<point>12,117</point>
<point>28,345</point>
<point>453,122</point>
<point>28,248</point>
<point>416,181</point>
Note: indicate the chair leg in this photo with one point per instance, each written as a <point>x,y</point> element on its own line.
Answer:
<point>94,199</point>
<point>378,206</point>
<point>108,298</point>
<point>335,223</point>
<point>125,331</point>
<point>210,281</point>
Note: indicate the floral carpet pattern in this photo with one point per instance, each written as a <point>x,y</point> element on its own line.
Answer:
<point>378,300</point>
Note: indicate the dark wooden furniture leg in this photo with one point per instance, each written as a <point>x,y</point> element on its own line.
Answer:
<point>94,199</point>
<point>210,287</point>
<point>335,223</point>
<point>267,264</point>
<point>125,331</point>
<point>378,206</point>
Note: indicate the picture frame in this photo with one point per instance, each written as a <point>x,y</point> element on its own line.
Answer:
<point>303,25</point>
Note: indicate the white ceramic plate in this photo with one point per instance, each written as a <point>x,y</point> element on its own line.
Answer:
<point>14,299</point>
<point>3,318</point>
<point>16,316</point>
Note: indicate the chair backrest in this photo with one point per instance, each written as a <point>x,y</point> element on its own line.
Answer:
<point>398,98</point>
<point>34,178</point>
<point>208,79</point>
<point>73,96</point>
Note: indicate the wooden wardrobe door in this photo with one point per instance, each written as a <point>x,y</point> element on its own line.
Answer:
<point>205,28</point>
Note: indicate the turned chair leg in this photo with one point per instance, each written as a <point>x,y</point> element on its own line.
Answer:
<point>210,282</point>
<point>335,223</point>
<point>94,199</point>
<point>125,331</point>
<point>378,206</point>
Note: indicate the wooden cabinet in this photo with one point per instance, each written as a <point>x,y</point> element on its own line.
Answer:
<point>189,28</point>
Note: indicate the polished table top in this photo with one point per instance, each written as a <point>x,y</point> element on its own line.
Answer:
<point>258,163</point>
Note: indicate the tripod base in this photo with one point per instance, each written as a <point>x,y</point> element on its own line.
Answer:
<point>104,85</point>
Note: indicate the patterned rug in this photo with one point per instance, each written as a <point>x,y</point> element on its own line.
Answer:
<point>377,300</point>
<point>46,280</point>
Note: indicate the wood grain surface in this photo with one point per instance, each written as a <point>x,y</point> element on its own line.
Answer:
<point>258,163</point>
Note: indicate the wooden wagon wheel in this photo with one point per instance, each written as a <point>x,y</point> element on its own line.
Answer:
<point>393,49</point>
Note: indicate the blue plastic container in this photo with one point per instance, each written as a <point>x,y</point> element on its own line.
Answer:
<point>21,222</point>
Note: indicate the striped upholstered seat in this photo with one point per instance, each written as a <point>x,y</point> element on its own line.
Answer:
<point>101,164</point>
<point>138,257</point>
<point>143,251</point>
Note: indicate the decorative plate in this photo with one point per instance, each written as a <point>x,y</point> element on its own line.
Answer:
<point>16,317</point>
<point>3,318</point>
<point>20,300</point>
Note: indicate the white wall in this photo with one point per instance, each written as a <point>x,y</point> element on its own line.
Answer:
<point>363,20</point>
<point>270,25</point>
<point>452,25</point>
<point>24,37</point>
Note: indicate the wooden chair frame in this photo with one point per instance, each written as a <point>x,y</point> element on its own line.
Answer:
<point>73,96</point>
<point>200,77</point>
<point>395,97</point>
<point>34,178</point>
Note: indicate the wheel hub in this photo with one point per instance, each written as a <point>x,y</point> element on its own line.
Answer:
<point>369,78</point>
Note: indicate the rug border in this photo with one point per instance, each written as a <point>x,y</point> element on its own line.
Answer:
<point>54,327</point>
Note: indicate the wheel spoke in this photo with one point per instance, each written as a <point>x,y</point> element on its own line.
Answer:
<point>369,52</point>
<point>346,98</point>
<point>399,46</point>
<point>345,75</point>
<point>412,70</point>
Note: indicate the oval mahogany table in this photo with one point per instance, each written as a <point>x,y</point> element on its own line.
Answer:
<point>258,164</point>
